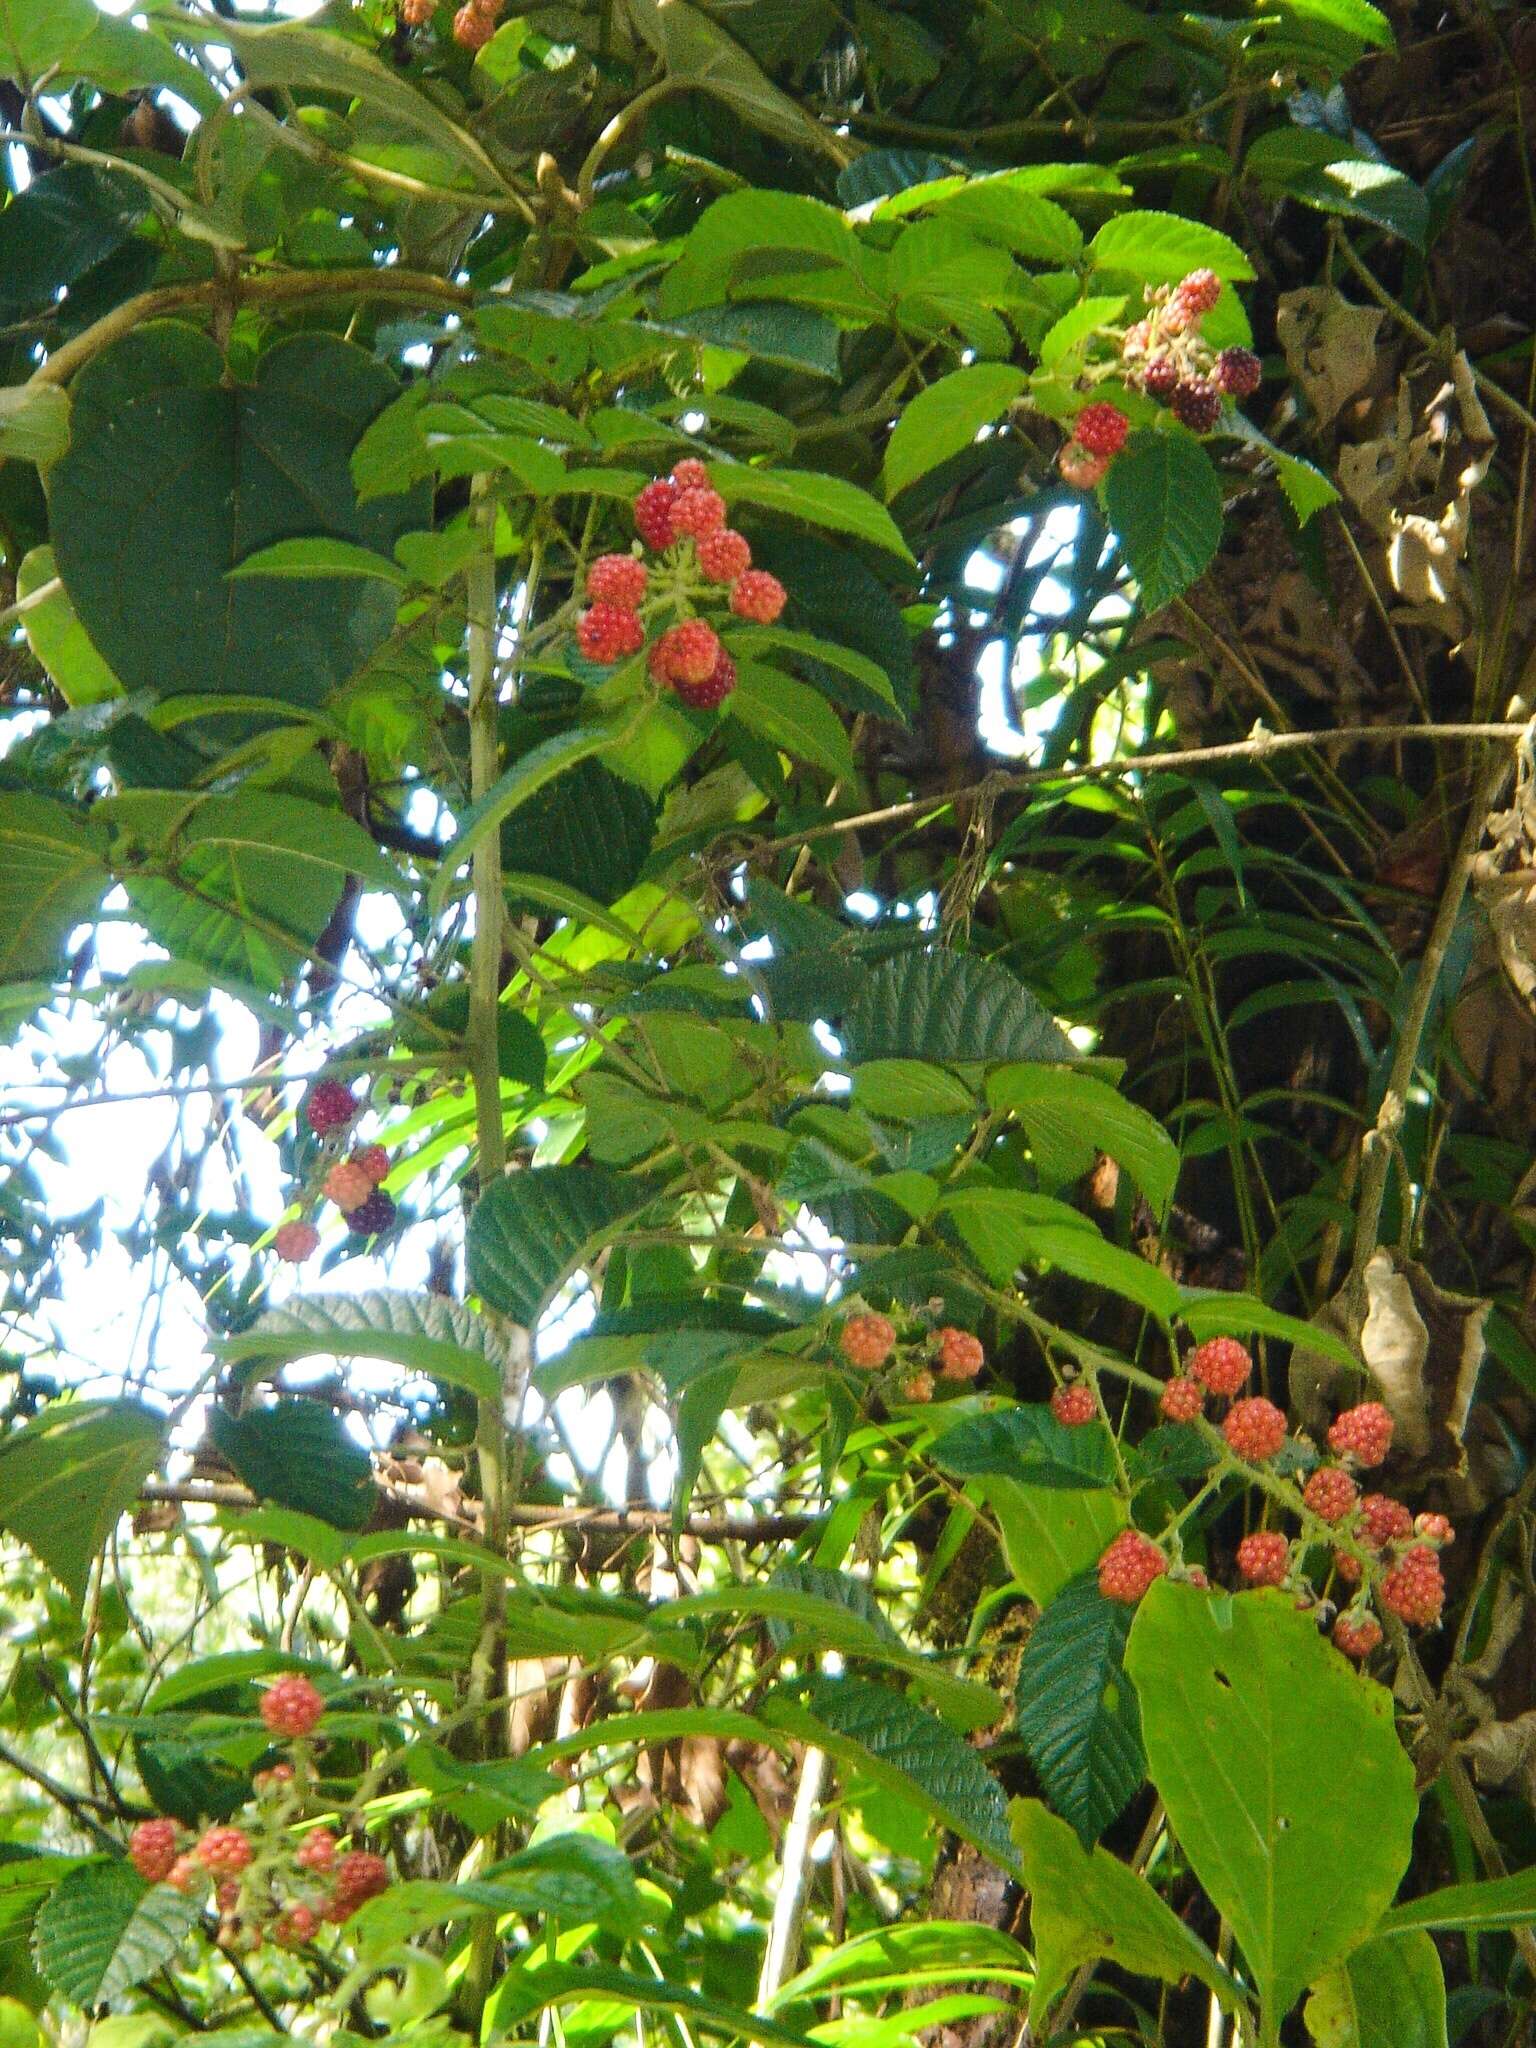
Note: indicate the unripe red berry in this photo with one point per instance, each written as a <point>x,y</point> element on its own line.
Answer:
<point>360,1875</point>
<point>152,1850</point>
<point>1434,1529</point>
<point>1197,403</point>
<point>295,1926</point>
<point>618,579</point>
<point>1414,1589</point>
<point>1262,1558</point>
<point>1196,1575</point>
<point>1080,469</point>
<point>225,1852</point>
<point>961,1356</point>
<point>269,1782</point>
<point>607,632</point>
<point>653,513</point>
<point>691,475</point>
<point>1255,1429</point>
<point>1074,1405</point>
<point>1101,429</point>
<point>330,1105</point>
<point>417,13</point>
<point>291,1706</point>
<point>473,29</point>
<point>1330,1493</point>
<point>1198,292</point>
<point>1182,1400</point>
<point>1383,1521</point>
<point>697,512</point>
<point>317,1851</point>
<point>714,689</point>
<point>918,1387</point>
<point>185,1874</point>
<point>1357,1635</point>
<point>374,1161</point>
<point>1160,379</point>
<point>226,1894</point>
<point>1239,372</point>
<point>347,1184</point>
<point>1220,1364</point>
<point>373,1216</point>
<point>1137,337</point>
<point>1348,1567</point>
<point>1130,1564</point>
<point>295,1241</point>
<point>757,596</point>
<point>1363,1433</point>
<point>866,1341</point>
<point>686,653</point>
<point>723,555</point>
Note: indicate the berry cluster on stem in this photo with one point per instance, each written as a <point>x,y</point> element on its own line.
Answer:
<point>1165,354</point>
<point>914,1360</point>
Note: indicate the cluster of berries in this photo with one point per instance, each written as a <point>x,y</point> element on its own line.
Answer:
<point>1098,435</point>
<point>352,1183</point>
<point>266,1886</point>
<point>1166,356</point>
<point>473,25</point>
<point>680,517</point>
<point>870,1342</point>
<point>1406,1579</point>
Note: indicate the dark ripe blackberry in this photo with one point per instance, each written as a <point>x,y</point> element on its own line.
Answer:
<point>371,1218</point>
<point>1198,404</point>
<point>1160,379</point>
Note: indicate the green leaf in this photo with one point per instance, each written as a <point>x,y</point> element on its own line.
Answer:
<point>528,774</point>
<point>295,560</point>
<point>1320,171</point>
<point>60,227</point>
<point>751,640</point>
<point>64,40</point>
<point>1077,326</point>
<point>1210,1312</point>
<point>573,1878</point>
<point>530,1231</point>
<point>995,1225</point>
<point>806,496</point>
<point>1468,1908</point>
<point>945,418</point>
<point>1000,208</point>
<point>103,1930</point>
<point>907,1953</point>
<point>1387,1994</point>
<point>910,1089</point>
<point>950,1008</point>
<point>793,716</point>
<point>1085,1904</point>
<point>299,1454</point>
<point>34,421</point>
<point>423,1332</point>
<point>57,637</point>
<point>1077,1715</point>
<point>235,469</point>
<point>698,51</point>
<point>1064,1111</point>
<point>52,875</point>
<point>68,1474</point>
<point>525,1991</point>
<point>904,1748</point>
<point>1251,1721</point>
<point>1159,248</point>
<point>1163,497</point>
<point>1087,1256</point>
<point>796,337</point>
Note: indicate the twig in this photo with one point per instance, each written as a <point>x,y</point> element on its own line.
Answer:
<point>794,1875</point>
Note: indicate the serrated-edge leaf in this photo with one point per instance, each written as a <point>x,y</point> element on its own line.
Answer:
<point>945,418</point>
<point>1077,1714</point>
<point>318,557</point>
<point>102,1930</point>
<point>950,1008</point>
<point>528,774</point>
<point>1161,247</point>
<point>530,1231</point>
<point>422,1332</point>
<point>1164,502</point>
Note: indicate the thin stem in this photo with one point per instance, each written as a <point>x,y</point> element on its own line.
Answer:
<point>783,1941</point>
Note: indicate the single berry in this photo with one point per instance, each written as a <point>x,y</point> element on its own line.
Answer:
<point>714,689</point>
<point>291,1706</point>
<point>360,1875</point>
<point>152,1850</point>
<point>1160,379</point>
<point>1239,372</point>
<point>1348,1567</point>
<point>1182,1400</point>
<point>1330,1493</point>
<point>723,555</point>
<point>1074,1405</point>
<point>417,13</point>
<point>961,1356</point>
<point>1137,338</point>
<point>1196,1575</point>
<point>1414,1589</point>
<point>472,28</point>
<point>347,1184</point>
<point>295,1926</point>
<point>317,1851</point>
<point>1080,469</point>
<point>1383,1521</point>
<point>1255,1429</point>
<point>373,1216</point>
<point>374,1161</point>
<point>686,653</point>
<point>697,512</point>
<point>1434,1529</point>
<point>330,1105</point>
<point>1262,1558</point>
<point>1220,1364</point>
<point>1357,1635</point>
<point>295,1241</point>
<point>606,633</point>
<point>690,474</point>
<point>185,1874</point>
<point>618,579</point>
<point>757,596</point>
<point>1198,292</point>
<point>866,1341</point>
<point>272,1781</point>
<point>226,1894</point>
<point>225,1852</point>
<point>653,513</point>
<point>919,1387</point>
<point>1197,403</point>
<point>1363,1433</point>
<point>1131,1563</point>
<point>1101,429</point>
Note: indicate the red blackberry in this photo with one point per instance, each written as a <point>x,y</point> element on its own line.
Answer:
<point>347,1184</point>
<point>1434,1529</point>
<point>1239,372</point>
<point>1197,403</point>
<point>1330,1493</point>
<point>291,1706</point>
<point>1363,1433</point>
<point>686,653</point>
<point>1255,1429</point>
<point>919,1387</point>
<point>691,475</point>
<point>360,1875</point>
<point>606,633</point>
<point>295,1241</point>
<point>295,1926</point>
<point>1074,1405</point>
<point>317,1851</point>
<point>723,555</point>
<point>714,689</point>
<point>152,1850</point>
<point>1182,1400</point>
<point>697,512</point>
<point>1263,1557</point>
<point>225,1852</point>
<point>1383,1521</point>
<point>1130,1564</point>
<point>374,1161</point>
<point>961,1356</point>
<point>866,1341</point>
<point>1220,1364</point>
<point>1414,1589</point>
<point>1101,429</point>
<point>653,513</point>
<point>1357,1635</point>
<point>618,579</point>
<point>1080,469</point>
<point>472,28</point>
<point>757,596</point>
<point>331,1104</point>
<point>1198,292</point>
<point>1160,379</point>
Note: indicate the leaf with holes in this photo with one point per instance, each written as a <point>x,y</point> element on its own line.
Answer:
<point>299,1454</point>
<point>422,1332</point>
<point>103,1930</point>
<point>1252,1721</point>
<point>530,1231</point>
<point>950,1008</point>
<point>67,1475</point>
<point>1164,502</point>
<point>1077,1715</point>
